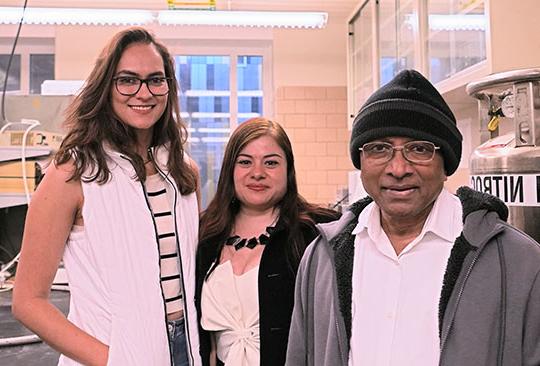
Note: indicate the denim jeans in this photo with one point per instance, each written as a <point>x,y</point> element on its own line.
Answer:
<point>177,342</point>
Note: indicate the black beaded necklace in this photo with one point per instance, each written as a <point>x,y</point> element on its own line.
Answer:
<point>251,243</point>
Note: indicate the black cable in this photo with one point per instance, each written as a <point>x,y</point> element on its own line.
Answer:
<point>9,63</point>
<point>340,201</point>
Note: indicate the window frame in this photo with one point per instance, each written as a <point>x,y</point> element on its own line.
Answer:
<point>233,49</point>
<point>26,46</point>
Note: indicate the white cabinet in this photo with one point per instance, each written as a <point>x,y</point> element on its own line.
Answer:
<point>443,39</point>
<point>361,71</point>
<point>456,37</point>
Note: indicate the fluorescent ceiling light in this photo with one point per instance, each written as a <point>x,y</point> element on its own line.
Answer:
<point>10,15</point>
<point>75,16</point>
<point>243,18</point>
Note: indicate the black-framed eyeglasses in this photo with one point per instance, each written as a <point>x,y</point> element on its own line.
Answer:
<point>416,152</point>
<point>130,85</point>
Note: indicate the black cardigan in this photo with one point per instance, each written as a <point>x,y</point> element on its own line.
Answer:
<point>276,294</point>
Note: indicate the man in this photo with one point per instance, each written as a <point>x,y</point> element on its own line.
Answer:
<point>413,275</point>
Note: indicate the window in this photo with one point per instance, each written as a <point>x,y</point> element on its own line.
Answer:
<point>218,90</point>
<point>33,63</point>
<point>457,36</point>
<point>205,105</point>
<point>41,69</point>
<point>360,58</point>
<point>396,38</point>
<point>250,93</point>
<point>14,79</point>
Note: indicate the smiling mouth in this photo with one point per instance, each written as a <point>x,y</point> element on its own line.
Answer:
<point>141,107</point>
<point>400,190</point>
<point>257,188</point>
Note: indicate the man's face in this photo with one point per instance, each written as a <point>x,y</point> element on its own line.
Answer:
<point>403,190</point>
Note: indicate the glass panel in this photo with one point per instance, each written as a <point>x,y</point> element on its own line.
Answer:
<point>397,28</point>
<point>14,79</point>
<point>388,43</point>
<point>457,36</point>
<point>41,69</point>
<point>205,106</point>
<point>362,57</point>
<point>407,24</point>
<point>250,93</point>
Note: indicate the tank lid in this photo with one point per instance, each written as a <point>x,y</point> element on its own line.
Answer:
<point>501,79</point>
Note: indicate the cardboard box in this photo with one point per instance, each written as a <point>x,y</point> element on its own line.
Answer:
<point>11,176</point>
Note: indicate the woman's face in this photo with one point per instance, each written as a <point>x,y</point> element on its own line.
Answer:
<point>260,174</point>
<point>142,110</point>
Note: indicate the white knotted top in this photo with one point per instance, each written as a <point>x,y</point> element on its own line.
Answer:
<point>230,308</point>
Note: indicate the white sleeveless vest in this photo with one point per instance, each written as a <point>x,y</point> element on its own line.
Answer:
<point>113,268</point>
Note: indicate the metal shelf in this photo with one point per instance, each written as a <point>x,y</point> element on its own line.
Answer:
<point>12,199</point>
<point>14,152</point>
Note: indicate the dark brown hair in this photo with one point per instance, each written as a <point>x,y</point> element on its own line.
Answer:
<point>92,122</point>
<point>218,219</point>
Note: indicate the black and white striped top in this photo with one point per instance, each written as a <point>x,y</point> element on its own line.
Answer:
<point>169,260</point>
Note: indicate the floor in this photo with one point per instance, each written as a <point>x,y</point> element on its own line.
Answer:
<point>38,354</point>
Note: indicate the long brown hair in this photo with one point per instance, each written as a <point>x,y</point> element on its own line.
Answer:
<point>92,122</point>
<point>218,219</point>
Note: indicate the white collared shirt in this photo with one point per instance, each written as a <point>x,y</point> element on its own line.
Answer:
<point>395,298</point>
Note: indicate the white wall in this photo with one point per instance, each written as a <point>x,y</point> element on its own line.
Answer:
<point>300,57</point>
<point>311,57</point>
<point>514,42</point>
<point>76,49</point>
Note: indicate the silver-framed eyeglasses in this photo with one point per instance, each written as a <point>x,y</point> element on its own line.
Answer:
<point>417,152</point>
<point>130,85</point>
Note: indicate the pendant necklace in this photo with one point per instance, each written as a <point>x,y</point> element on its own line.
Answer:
<point>238,243</point>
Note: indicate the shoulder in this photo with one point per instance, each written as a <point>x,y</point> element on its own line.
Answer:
<point>58,185</point>
<point>484,226</point>
<point>331,229</point>
<point>528,246</point>
<point>317,258</point>
<point>206,254</point>
<point>500,242</point>
<point>60,176</point>
<point>313,250</point>
<point>316,216</point>
<point>325,215</point>
<point>329,232</point>
<point>207,249</point>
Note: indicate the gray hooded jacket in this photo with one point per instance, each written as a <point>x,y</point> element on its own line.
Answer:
<point>489,310</point>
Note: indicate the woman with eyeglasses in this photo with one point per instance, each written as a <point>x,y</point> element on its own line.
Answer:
<point>253,234</point>
<point>119,206</point>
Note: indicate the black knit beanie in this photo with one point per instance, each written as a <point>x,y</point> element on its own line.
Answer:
<point>408,106</point>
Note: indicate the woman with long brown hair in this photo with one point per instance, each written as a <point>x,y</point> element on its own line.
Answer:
<point>252,237</point>
<point>118,205</point>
